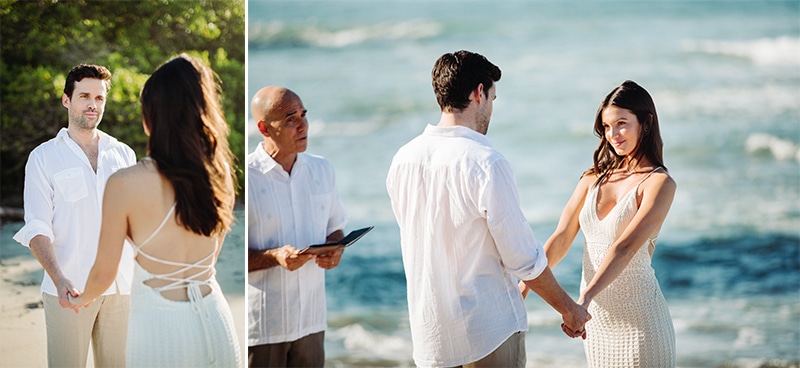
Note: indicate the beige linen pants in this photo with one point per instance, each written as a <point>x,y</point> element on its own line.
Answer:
<point>104,322</point>
<point>510,354</point>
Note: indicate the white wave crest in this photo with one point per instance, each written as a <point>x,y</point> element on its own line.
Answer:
<point>280,34</point>
<point>356,338</point>
<point>783,50</point>
<point>781,149</point>
<point>410,30</point>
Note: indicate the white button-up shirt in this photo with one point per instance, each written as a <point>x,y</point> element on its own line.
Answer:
<point>298,209</point>
<point>63,201</point>
<point>465,242</point>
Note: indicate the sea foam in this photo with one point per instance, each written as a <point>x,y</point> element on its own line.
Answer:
<point>279,34</point>
<point>784,50</point>
<point>781,149</point>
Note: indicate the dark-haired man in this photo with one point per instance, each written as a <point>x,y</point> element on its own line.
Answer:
<point>64,182</point>
<point>464,239</point>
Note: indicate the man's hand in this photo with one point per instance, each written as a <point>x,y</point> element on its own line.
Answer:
<point>575,320</point>
<point>288,258</point>
<point>65,290</point>
<point>330,260</point>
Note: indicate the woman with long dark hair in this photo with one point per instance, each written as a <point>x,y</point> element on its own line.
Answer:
<point>174,207</point>
<point>620,204</point>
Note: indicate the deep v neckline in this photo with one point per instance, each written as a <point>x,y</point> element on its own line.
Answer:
<point>623,199</point>
<point>614,208</point>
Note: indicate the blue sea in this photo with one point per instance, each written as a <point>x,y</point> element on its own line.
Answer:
<point>725,76</point>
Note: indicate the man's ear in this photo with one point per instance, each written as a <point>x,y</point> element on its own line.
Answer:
<point>65,100</point>
<point>478,94</point>
<point>262,127</point>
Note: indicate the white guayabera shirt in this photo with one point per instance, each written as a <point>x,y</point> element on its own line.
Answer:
<point>465,242</point>
<point>298,209</point>
<point>64,200</point>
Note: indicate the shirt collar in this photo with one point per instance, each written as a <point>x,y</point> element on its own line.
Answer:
<point>63,134</point>
<point>266,163</point>
<point>458,132</point>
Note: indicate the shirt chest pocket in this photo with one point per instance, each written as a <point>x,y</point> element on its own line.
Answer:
<point>318,212</point>
<point>70,184</point>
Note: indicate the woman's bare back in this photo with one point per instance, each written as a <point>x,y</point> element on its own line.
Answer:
<point>152,197</point>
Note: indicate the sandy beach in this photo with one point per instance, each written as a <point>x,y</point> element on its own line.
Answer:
<point>22,328</point>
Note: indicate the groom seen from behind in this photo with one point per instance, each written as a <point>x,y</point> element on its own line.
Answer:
<point>464,239</point>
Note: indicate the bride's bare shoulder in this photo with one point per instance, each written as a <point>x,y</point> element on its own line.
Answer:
<point>134,177</point>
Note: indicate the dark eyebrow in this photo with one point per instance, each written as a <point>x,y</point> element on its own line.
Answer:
<point>294,112</point>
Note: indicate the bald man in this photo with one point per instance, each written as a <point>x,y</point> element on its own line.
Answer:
<point>292,203</point>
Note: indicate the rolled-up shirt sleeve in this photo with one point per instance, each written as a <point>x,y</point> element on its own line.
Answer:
<point>522,255</point>
<point>38,197</point>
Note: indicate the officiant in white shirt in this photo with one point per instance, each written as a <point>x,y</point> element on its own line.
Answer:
<point>292,203</point>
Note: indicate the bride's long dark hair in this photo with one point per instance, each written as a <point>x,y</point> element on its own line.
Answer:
<point>633,97</point>
<point>189,142</point>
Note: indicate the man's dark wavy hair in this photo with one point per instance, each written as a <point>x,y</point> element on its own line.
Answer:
<point>81,71</point>
<point>456,75</point>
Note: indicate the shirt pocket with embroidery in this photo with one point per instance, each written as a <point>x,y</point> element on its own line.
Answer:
<point>318,208</point>
<point>71,184</point>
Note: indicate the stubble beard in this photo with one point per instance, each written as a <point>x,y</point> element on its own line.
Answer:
<point>483,123</point>
<point>81,122</point>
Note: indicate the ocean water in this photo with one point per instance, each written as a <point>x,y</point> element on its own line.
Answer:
<point>725,76</point>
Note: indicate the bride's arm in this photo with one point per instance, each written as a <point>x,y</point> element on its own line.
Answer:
<point>559,243</point>
<point>657,197</point>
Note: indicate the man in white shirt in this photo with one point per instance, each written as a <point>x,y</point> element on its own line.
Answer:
<point>292,203</point>
<point>64,182</point>
<point>465,241</point>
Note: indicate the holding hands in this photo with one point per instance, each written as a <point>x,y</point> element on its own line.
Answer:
<point>65,290</point>
<point>575,316</point>
<point>575,321</point>
<point>69,296</point>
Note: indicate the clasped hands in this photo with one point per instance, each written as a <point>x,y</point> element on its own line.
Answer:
<point>574,324</point>
<point>290,258</point>
<point>69,297</point>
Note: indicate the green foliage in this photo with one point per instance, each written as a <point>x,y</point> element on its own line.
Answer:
<point>42,40</point>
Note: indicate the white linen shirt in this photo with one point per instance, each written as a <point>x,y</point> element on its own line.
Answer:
<point>465,242</point>
<point>298,209</point>
<point>63,201</point>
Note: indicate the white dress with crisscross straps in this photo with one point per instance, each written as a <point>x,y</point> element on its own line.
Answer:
<point>631,325</point>
<point>168,333</point>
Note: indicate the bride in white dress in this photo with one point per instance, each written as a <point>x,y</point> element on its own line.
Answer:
<point>620,204</point>
<point>175,207</point>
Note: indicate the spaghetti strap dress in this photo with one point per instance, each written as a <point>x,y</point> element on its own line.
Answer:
<point>631,324</point>
<point>168,333</point>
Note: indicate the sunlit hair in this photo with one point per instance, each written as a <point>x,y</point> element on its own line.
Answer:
<point>456,75</point>
<point>189,142</point>
<point>81,71</point>
<point>633,97</point>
